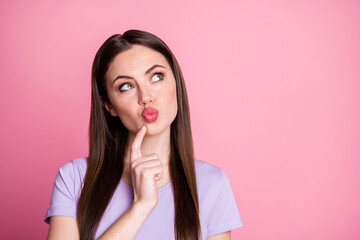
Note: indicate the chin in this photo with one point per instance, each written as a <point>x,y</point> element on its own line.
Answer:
<point>154,129</point>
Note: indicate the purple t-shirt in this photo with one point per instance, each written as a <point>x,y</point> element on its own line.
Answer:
<point>217,206</point>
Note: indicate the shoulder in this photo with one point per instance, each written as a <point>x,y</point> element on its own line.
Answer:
<point>77,165</point>
<point>209,176</point>
<point>205,170</point>
<point>67,188</point>
<point>217,205</point>
<point>73,172</point>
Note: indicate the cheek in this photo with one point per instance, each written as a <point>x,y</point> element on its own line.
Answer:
<point>129,117</point>
<point>123,112</point>
<point>126,112</point>
<point>172,99</point>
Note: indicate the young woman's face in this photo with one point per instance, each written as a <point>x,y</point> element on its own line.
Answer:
<point>138,79</point>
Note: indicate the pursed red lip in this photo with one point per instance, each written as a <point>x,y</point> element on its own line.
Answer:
<point>150,114</point>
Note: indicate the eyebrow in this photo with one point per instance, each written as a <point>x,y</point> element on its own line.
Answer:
<point>147,72</point>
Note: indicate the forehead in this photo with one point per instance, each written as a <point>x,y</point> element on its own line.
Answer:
<point>135,60</point>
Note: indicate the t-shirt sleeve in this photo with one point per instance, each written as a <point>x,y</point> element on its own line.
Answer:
<point>225,215</point>
<point>63,197</point>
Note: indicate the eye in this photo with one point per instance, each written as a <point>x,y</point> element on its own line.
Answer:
<point>125,87</point>
<point>157,77</point>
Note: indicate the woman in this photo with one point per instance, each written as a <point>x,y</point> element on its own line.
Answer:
<point>140,180</point>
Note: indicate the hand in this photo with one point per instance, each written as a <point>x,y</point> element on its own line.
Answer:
<point>145,171</point>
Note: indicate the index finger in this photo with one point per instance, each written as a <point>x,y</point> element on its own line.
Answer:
<point>135,151</point>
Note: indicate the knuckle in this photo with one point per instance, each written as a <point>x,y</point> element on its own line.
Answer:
<point>157,163</point>
<point>137,169</point>
<point>133,165</point>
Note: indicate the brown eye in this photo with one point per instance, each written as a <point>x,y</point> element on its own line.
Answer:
<point>157,77</point>
<point>125,87</point>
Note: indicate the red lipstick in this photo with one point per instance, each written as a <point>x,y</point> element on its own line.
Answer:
<point>150,114</point>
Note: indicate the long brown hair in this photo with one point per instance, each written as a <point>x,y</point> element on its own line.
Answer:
<point>108,142</point>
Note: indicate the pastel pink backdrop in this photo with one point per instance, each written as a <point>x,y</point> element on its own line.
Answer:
<point>274,93</point>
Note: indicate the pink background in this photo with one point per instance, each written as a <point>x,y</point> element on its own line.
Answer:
<point>274,94</point>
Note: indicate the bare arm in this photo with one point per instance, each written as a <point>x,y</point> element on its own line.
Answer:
<point>66,228</point>
<point>144,173</point>
<point>126,226</point>
<point>62,227</point>
<point>221,236</point>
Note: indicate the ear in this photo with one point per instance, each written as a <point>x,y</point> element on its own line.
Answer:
<point>108,107</point>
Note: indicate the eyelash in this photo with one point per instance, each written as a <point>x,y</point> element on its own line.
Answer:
<point>127,83</point>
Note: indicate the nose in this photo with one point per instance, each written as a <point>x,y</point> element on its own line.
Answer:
<point>145,96</point>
